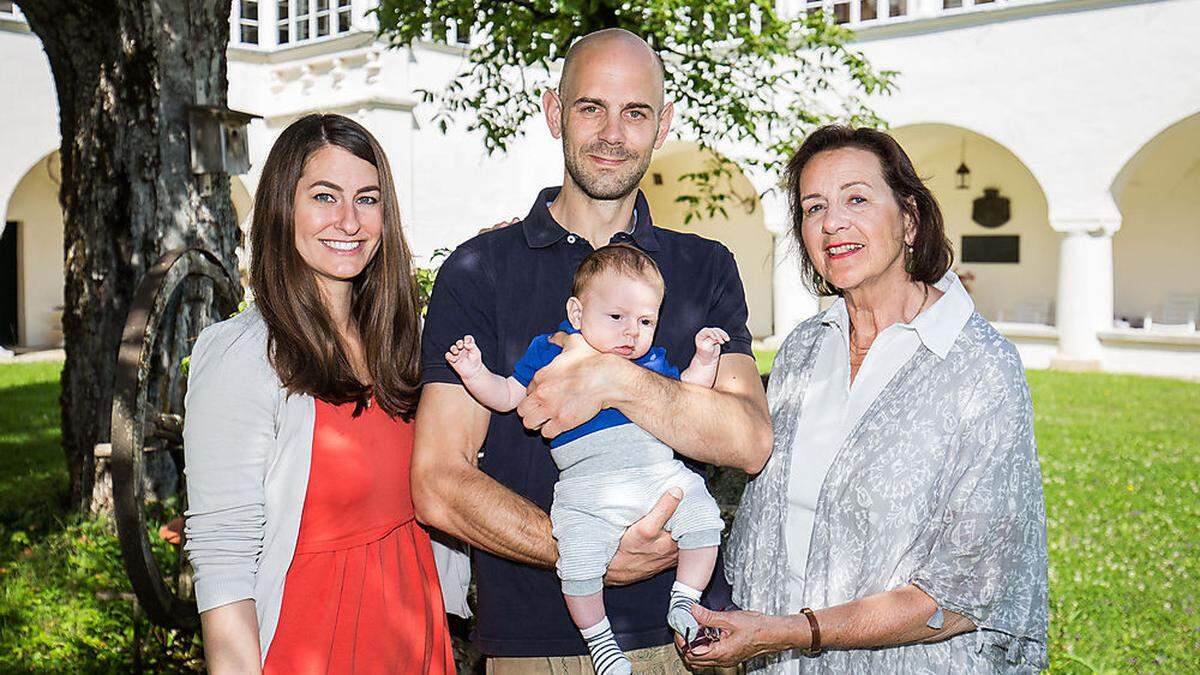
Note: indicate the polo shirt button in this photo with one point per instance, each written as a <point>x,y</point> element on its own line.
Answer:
<point>570,239</point>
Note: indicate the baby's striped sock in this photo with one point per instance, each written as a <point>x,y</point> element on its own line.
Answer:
<point>607,657</point>
<point>679,614</point>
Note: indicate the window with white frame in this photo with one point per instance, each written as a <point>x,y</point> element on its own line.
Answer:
<point>955,4</point>
<point>305,20</point>
<point>322,15</point>
<point>857,11</point>
<point>283,33</point>
<point>838,10</point>
<point>247,22</point>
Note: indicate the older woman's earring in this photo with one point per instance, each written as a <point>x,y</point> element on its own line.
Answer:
<point>823,286</point>
<point>908,259</point>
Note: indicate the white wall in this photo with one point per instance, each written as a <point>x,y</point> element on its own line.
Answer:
<point>936,151</point>
<point>1070,91</point>
<point>742,231</point>
<point>1073,89</point>
<point>34,205</point>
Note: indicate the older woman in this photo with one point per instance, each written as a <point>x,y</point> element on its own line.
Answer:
<point>899,525</point>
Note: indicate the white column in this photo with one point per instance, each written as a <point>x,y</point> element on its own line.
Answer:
<point>1085,294</point>
<point>792,302</point>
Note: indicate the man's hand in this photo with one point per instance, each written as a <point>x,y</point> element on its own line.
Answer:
<point>464,356</point>
<point>708,345</point>
<point>646,548</point>
<point>569,391</point>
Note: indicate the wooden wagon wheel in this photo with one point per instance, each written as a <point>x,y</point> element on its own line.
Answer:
<point>186,290</point>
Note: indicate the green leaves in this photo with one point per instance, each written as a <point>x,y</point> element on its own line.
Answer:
<point>425,277</point>
<point>744,78</point>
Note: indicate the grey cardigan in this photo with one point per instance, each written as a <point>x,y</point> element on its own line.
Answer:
<point>248,447</point>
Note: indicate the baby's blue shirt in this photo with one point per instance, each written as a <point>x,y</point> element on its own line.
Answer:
<point>541,352</point>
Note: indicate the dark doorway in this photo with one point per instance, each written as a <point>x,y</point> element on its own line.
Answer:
<point>8,285</point>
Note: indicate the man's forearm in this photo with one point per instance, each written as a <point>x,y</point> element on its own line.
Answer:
<point>727,425</point>
<point>453,495</point>
<point>470,505</point>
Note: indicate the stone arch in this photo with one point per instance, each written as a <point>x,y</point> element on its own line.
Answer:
<point>742,230</point>
<point>1156,253</point>
<point>1017,292</point>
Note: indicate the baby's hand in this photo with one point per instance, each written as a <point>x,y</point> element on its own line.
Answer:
<point>465,358</point>
<point>708,344</point>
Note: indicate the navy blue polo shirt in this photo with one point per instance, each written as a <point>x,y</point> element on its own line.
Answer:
<point>508,285</point>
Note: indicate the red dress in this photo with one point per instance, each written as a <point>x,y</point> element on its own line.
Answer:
<point>362,593</point>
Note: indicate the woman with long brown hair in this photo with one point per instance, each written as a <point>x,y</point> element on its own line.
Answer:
<point>298,437</point>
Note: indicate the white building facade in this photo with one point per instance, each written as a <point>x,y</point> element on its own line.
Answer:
<point>1078,120</point>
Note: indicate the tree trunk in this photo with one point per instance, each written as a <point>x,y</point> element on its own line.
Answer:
<point>126,72</point>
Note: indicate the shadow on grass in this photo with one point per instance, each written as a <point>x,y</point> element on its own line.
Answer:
<point>61,604</point>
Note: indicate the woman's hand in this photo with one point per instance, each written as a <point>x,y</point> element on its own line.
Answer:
<point>744,635</point>
<point>500,225</point>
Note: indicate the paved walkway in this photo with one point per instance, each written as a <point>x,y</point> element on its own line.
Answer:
<point>7,356</point>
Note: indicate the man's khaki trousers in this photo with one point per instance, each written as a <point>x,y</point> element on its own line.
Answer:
<point>662,660</point>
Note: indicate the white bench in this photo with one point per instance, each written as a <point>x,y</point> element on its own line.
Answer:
<point>1179,314</point>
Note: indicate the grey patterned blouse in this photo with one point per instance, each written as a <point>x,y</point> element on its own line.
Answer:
<point>938,485</point>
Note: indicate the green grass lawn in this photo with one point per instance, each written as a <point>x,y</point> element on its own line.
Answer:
<point>1120,459</point>
<point>764,358</point>
<point>1121,468</point>
<point>62,584</point>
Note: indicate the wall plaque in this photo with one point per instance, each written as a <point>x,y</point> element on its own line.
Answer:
<point>991,248</point>
<point>991,210</point>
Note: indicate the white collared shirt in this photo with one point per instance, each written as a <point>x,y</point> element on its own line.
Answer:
<point>833,405</point>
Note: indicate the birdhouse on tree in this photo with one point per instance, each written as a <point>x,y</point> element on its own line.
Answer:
<point>218,139</point>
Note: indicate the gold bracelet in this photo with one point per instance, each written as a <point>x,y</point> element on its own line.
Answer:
<point>814,645</point>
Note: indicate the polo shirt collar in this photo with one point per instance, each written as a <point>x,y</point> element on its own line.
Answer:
<point>937,327</point>
<point>541,230</point>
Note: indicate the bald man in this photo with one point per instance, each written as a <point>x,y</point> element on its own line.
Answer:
<point>508,285</point>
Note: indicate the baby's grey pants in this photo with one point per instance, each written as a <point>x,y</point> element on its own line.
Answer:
<point>608,480</point>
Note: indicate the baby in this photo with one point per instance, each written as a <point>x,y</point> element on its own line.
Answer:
<point>612,471</point>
